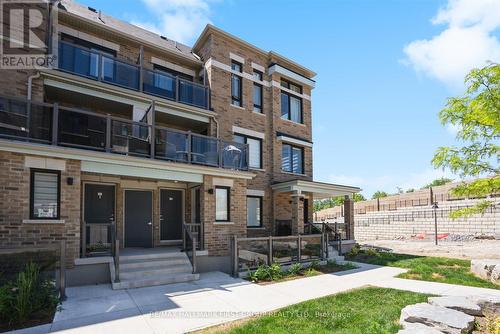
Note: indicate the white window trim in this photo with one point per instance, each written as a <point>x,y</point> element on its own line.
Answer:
<point>295,141</point>
<point>248,132</point>
<point>172,66</point>
<point>303,96</point>
<point>255,192</point>
<point>289,74</point>
<point>237,58</point>
<point>249,76</point>
<point>45,163</point>
<point>258,67</point>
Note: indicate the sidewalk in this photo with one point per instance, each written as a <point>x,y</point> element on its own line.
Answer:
<point>216,298</point>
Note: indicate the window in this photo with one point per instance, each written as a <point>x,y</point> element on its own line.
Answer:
<point>222,204</point>
<point>254,211</point>
<point>257,92</point>
<point>291,86</point>
<point>44,194</point>
<point>292,159</point>
<point>236,88</point>
<point>254,147</point>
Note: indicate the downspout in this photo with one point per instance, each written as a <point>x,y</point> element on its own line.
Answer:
<point>30,84</point>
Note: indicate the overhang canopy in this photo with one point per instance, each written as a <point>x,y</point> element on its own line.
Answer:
<point>318,189</point>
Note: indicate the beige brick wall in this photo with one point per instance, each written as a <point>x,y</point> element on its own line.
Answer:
<point>14,208</point>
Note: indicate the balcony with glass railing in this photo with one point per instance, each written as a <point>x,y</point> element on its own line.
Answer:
<point>103,67</point>
<point>52,124</point>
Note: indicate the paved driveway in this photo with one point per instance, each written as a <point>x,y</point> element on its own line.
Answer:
<point>214,299</point>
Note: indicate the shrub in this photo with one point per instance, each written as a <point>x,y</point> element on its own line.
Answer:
<point>315,265</point>
<point>294,269</point>
<point>372,252</point>
<point>266,273</point>
<point>275,271</point>
<point>28,295</point>
<point>354,251</point>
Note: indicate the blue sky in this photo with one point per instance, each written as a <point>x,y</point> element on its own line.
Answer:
<point>385,69</point>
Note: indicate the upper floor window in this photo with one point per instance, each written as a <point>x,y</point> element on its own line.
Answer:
<point>174,73</point>
<point>291,86</point>
<point>291,107</point>
<point>45,194</point>
<point>236,84</point>
<point>254,147</point>
<point>292,159</point>
<point>257,92</point>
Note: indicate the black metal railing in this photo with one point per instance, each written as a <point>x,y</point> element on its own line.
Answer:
<point>51,124</point>
<point>189,244</point>
<point>97,65</point>
<point>249,253</point>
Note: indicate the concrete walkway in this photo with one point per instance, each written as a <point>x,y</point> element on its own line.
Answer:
<point>216,298</point>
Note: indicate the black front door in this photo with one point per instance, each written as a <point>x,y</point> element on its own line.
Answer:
<point>171,215</point>
<point>138,218</point>
<point>98,213</point>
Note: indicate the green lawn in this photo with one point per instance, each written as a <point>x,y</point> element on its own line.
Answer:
<point>366,310</point>
<point>425,268</point>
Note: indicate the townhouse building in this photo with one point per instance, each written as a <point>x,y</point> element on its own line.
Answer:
<point>136,140</point>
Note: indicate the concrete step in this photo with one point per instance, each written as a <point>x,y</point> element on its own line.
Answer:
<point>152,256</point>
<point>142,273</point>
<point>153,263</point>
<point>155,280</point>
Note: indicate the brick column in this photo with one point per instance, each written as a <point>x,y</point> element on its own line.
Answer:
<point>297,214</point>
<point>349,217</point>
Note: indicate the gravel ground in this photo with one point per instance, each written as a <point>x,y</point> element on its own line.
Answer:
<point>475,249</point>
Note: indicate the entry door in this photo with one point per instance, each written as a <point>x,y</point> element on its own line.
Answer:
<point>171,215</point>
<point>99,210</point>
<point>138,218</point>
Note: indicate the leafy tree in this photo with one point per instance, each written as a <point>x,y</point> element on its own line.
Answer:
<point>437,182</point>
<point>331,202</point>
<point>411,190</point>
<point>379,194</point>
<point>477,116</point>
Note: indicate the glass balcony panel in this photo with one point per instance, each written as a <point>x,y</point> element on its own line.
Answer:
<point>191,93</point>
<point>120,73</point>
<point>78,60</point>
<point>98,239</point>
<point>159,84</point>
<point>204,150</point>
<point>172,145</point>
<point>16,122</point>
<point>130,138</point>
<point>82,130</point>
<point>234,155</point>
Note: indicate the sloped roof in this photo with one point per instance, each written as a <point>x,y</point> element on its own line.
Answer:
<point>120,26</point>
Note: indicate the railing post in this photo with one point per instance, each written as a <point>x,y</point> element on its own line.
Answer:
<point>270,247</point>
<point>55,123</point>
<point>108,133</point>
<point>152,129</point>
<point>235,256</point>
<point>141,66</point>
<point>184,238</point>
<point>62,270</point>
<point>194,254</point>
<point>190,138</point>
<point>117,261</point>
<point>327,246</point>
<point>322,255</point>
<point>84,239</point>
<point>219,146</point>
<point>299,246</point>
<point>177,88</point>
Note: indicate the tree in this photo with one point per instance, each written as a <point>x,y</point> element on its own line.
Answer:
<point>437,182</point>
<point>477,116</point>
<point>379,194</point>
<point>331,202</point>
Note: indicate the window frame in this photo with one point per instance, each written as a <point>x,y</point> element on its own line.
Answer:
<point>33,171</point>
<point>239,99</point>
<point>245,137</point>
<point>288,83</point>
<point>291,159</point>
<point>289,111</point>
<point>258,108</point>
<point>228,208</point>
<point>260,211</point>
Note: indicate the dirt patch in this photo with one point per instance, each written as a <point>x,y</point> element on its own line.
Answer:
<point>437,276</point>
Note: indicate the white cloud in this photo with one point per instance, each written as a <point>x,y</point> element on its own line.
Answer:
<point>389,183</point>
<point>468,41</point>
<point>179,20</point>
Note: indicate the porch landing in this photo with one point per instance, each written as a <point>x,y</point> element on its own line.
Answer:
<point>142,267</point>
